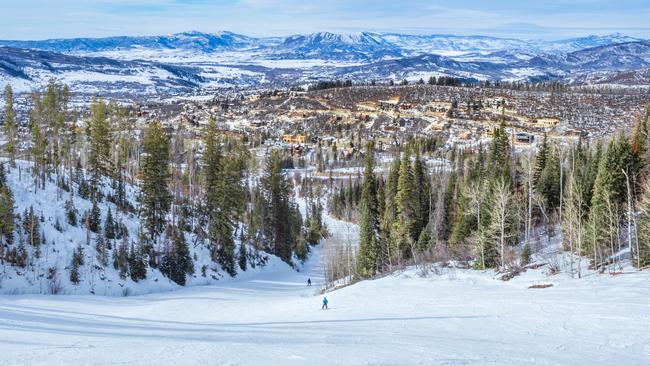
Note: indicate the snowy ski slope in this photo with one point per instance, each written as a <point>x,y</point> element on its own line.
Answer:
<point>456,318</point>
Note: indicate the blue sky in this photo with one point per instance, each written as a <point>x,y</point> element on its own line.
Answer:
<point>40,19</point>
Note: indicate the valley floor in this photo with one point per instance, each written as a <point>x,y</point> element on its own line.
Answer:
<point>455,318</point>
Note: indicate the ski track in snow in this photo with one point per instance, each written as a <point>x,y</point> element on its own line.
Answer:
<point>271,317</point>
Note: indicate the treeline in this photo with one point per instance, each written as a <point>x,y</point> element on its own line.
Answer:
<point>440,81</point>
<point>203,191</point>
<point>550,86</point>
<point>330,84</point>
<point>488,207</point>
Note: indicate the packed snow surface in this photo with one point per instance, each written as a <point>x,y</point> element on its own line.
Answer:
<point>455,317</point>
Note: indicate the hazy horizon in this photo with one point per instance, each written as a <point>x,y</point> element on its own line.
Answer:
<point>386,32</point>
<point>555,19</point>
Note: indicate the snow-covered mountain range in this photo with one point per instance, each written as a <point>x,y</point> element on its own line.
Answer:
<point>193,61</point>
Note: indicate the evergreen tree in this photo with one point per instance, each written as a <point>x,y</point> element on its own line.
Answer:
<point>499,158</point>
<point>243,256</point>
<point>7,220</point>
<point>548,184</point>
<point>71,212</point>
<point>225,196</point>
<point>109,226</point>
<point>177,263</point>
<point>77,261</point>
<point>101,250</point>
<point>122,258</point>
<point>155,195</point>
<point>99,141</point>
<point>455,227</point>
<point>137,263</point>
<point>426,240</point>
<point>403,231</point>
<point>38,151</point>
<point>422,192</point>
<point>609,195</point>
<point>94,218</point>
<point>368,219</point>
<point>316,230</point>
<point>540,161</point>
<point>281,213</point>
<point>591,173</point>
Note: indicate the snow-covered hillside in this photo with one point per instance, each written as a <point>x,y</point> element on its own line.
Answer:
<point>61,239</point>
<point>457,317</point>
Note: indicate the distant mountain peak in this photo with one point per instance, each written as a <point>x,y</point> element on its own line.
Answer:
<point>345,38</point>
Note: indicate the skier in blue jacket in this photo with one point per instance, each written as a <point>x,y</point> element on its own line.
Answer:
<point>324,303</point>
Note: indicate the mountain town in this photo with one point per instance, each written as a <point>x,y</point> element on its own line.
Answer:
<point>368,197</point>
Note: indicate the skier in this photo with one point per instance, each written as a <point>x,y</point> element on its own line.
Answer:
<point>324,307</point>
<point>309,282</point>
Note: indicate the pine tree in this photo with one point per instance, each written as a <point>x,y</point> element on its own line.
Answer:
<point>122,258</point>
<point>7,220</point>
<point>225,197</point>
<point>455,226</point>
<point>426,240</point>
<point>281,228</point>
<point>137,264</point>
<point>422,188</point>
<point>10,125</point>
<point>243,256</point>
<point>155,195</point>
<point>70,212</point>
<point>101,250</point>
<point>499,157</point>
<point>548,184</point>
<point>38,151</point>
<point>99,141</point>
<point>591,173</point>
<point>94,218</point>
<point>109,226</point>
<point>177,263</point>
<point>404,228</point>
<point>368,219</point>
<point>607,200</point>
<point>76,262</point>
<point>540,161</point>
<point>316,229</point>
